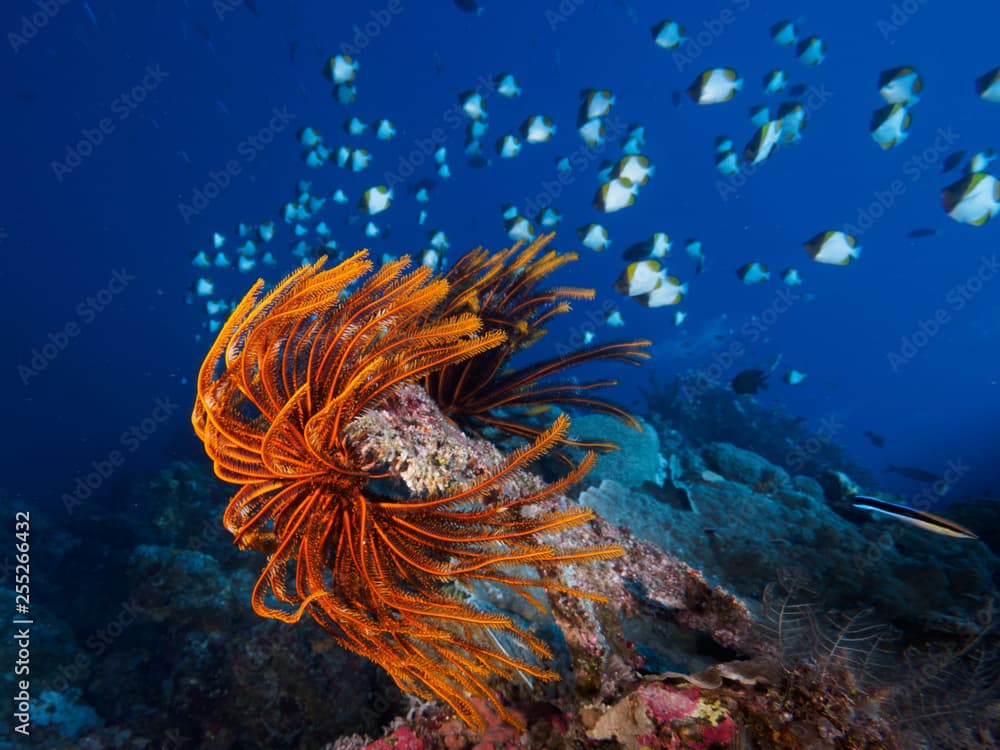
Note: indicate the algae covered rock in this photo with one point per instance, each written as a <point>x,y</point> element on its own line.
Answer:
<point>745,467</point>
<point>639,459</point>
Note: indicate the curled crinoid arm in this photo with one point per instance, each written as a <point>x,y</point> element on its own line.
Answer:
<point>502,289</point>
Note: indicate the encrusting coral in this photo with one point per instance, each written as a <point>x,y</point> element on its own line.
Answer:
<point>276,396</point>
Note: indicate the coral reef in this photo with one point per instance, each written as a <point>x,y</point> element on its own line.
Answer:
<point>211,674</point>
<point>741,535</point>
<point>662,716</point>
<point>64,714</point>
<point>639,458</point>
<point>740,465</point>
<point>873,636</point>
<point>706,412</point>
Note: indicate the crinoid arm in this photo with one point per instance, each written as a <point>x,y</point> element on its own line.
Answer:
<point>502,288</point>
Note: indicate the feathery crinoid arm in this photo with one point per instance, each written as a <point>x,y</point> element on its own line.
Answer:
<point>503,290</point>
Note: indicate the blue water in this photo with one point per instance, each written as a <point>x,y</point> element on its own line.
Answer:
<point>111,228</point>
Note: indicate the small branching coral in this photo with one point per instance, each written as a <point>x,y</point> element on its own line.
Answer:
<point>846,678</point>
<point>948,694</point>
<point>288,373</point>
<point>848,646</point>
<point>501,289</point>
<point>825,673</point>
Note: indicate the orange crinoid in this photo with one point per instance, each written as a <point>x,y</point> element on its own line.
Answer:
<point>501,289</point>
<point>289,371</point>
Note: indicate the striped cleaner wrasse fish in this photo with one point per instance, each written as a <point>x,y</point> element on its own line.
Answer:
<point>920,519</point>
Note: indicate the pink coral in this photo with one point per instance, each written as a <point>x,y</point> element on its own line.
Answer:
<point>667,704</point>
<point>403,738</point>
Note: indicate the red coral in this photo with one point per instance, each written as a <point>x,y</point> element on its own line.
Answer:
<point>403,738</point>
<point>722,733</point>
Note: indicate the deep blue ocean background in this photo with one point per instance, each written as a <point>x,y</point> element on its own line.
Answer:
<point>227,67</point>
<point>133,131</point>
